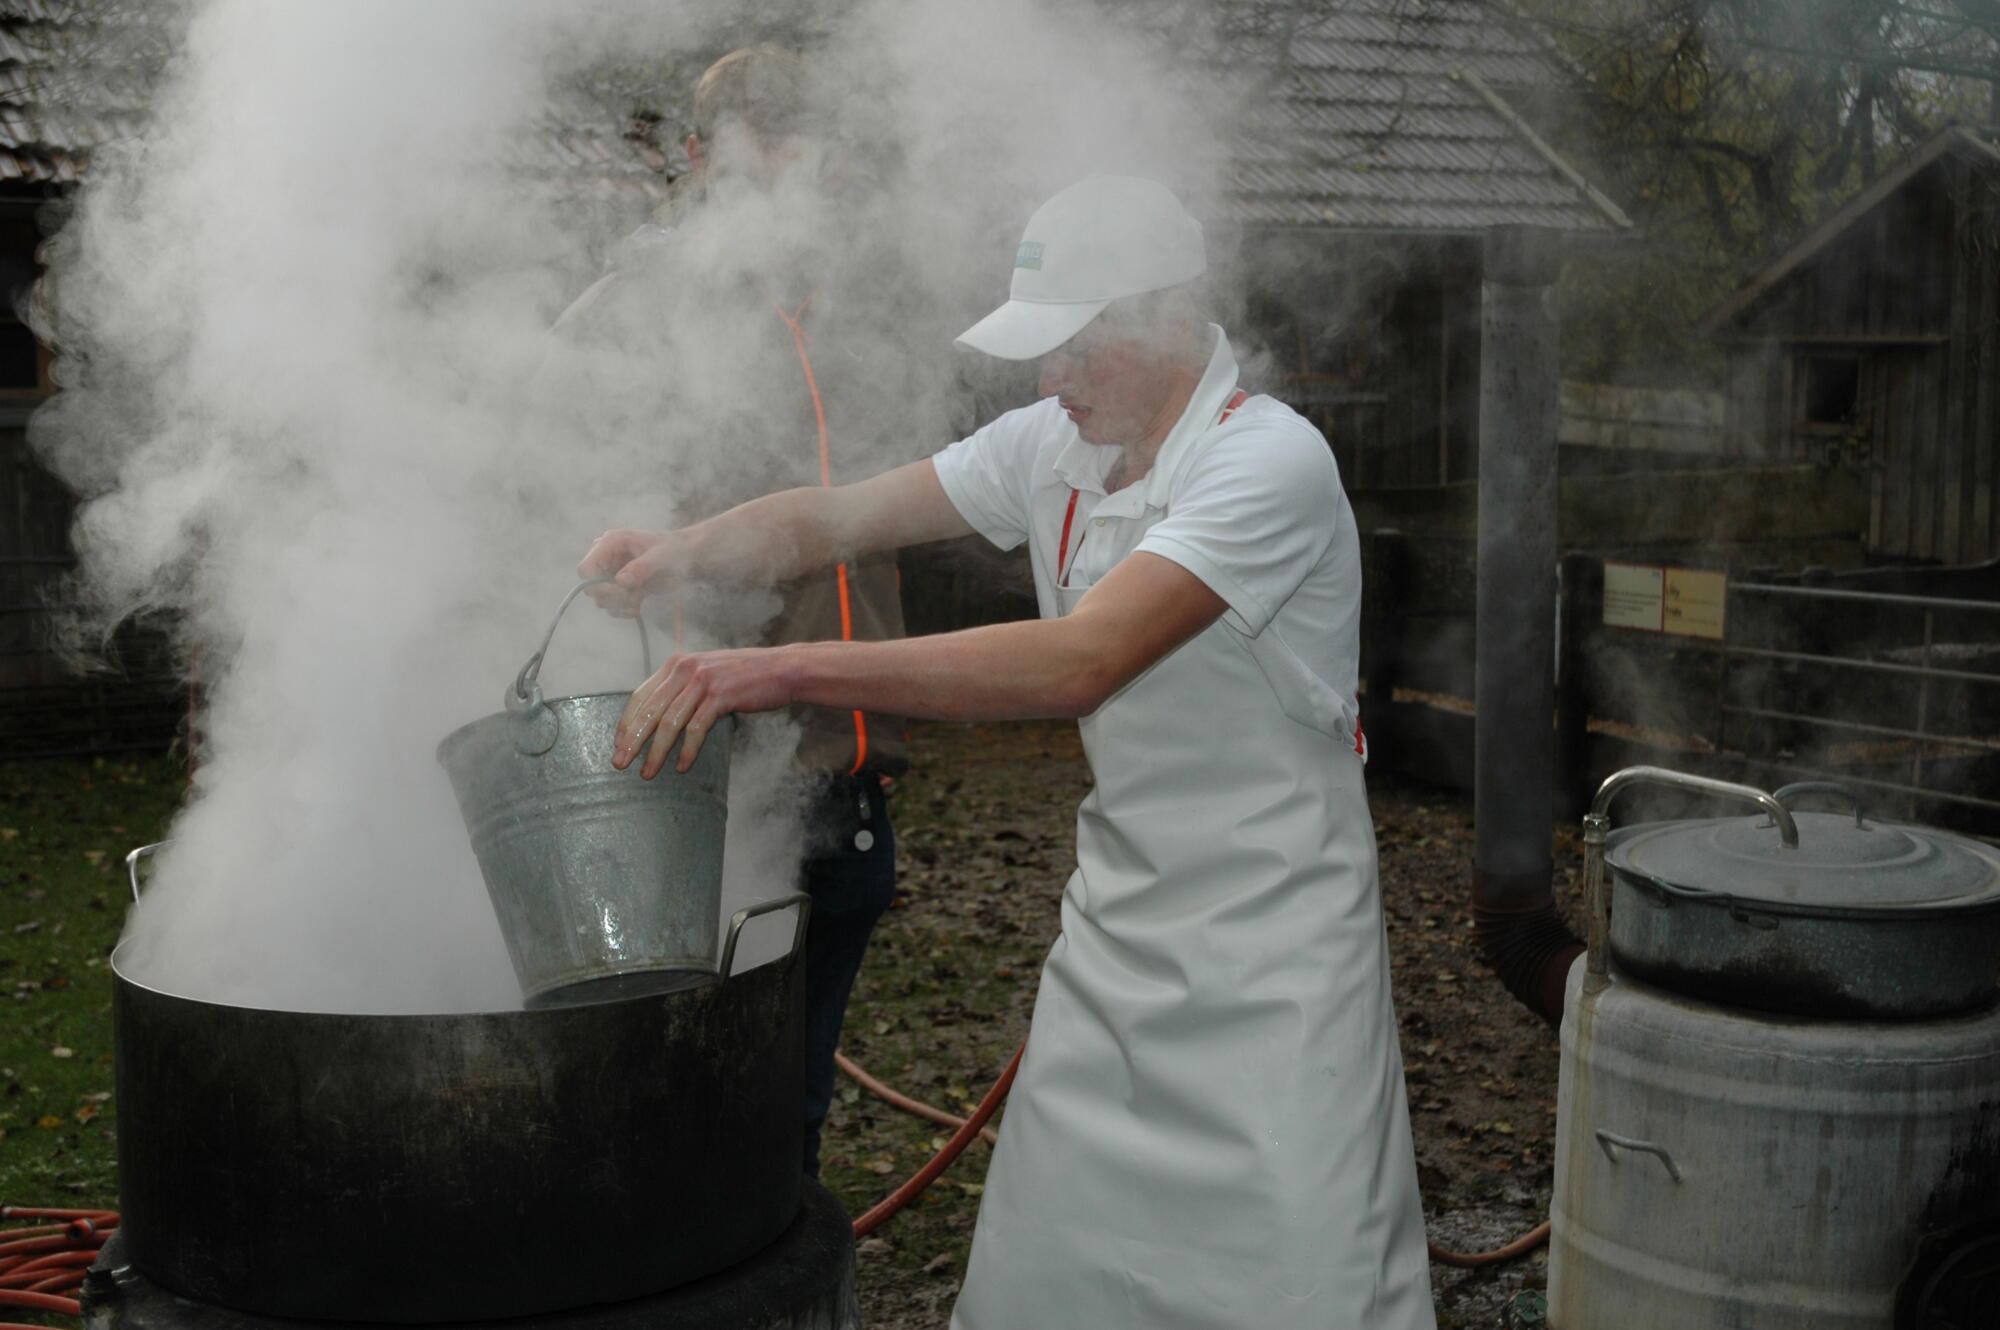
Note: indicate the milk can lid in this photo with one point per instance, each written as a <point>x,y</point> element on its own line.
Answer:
<point>1843,865</point>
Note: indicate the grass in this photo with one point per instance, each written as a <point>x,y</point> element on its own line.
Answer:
<point>65,827</point>
<point>984,828</point>
<point>936,1006</point>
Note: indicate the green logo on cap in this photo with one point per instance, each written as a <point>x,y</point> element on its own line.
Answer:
<point>1029,255</point>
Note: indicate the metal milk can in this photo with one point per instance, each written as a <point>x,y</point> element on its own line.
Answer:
<point>1722,1166</point>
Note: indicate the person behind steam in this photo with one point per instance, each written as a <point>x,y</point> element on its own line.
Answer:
<point>1208,1128</point>
<point>797,400</point>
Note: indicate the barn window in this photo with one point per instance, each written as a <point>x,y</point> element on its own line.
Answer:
<point>1832,390</point>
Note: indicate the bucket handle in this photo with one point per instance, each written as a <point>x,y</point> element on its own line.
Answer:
<point>749,912</point>
<point>133,860</point>
<point>526,693</point>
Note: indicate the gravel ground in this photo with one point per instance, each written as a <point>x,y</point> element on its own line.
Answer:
<point>985,825</point>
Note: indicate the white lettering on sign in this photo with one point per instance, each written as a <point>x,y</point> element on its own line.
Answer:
<point>1634,596</point>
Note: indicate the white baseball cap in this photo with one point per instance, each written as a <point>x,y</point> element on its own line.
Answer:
<point>1102,239</point>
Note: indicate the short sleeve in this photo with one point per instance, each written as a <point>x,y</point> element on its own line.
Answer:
<point>1253,516</point>
<point>989,474</point>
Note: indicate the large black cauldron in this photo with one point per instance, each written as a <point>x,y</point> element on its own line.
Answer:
<point>456,1167</point>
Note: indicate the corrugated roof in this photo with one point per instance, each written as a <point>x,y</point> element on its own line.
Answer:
<point>1351,114</point>
<point>1390,115</point>
<point>70,85</point>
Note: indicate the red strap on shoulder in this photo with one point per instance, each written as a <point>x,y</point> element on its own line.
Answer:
<point>1062,551</point>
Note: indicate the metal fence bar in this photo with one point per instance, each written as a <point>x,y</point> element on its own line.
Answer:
<point>1861,727</point>
<point>1872,597</point>
<point>1848,778</point>
<point>1850,662</point>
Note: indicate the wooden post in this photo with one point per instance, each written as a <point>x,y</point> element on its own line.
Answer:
<point>1384,604</point>
<point>1581,604</point>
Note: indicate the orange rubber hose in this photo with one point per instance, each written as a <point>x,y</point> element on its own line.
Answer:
<point>944,1158</point>
<point>44,1302</point>
<point>1522,1245</point>
<point>897,1100</point>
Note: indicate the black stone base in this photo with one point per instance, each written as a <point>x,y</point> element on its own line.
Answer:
<point>803,1281</point>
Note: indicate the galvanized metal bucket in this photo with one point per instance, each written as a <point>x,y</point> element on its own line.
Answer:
<point>606,884</point>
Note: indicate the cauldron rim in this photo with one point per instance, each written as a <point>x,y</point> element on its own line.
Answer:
<point>123,975</point>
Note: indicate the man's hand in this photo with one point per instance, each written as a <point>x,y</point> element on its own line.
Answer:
<point>688,694</point>
<point>635,558</point>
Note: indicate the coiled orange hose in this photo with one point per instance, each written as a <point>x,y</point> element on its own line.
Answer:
<point>967,1127</point>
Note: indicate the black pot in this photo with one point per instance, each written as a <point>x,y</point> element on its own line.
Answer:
<point>457,1167</point>
<point>1859,920</point>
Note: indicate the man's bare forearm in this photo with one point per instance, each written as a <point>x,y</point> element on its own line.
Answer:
<point>776,538</point>
<point>787,535</point>
<point>1011,671</point>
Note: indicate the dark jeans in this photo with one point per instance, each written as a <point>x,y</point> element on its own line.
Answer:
<point>850,888</point>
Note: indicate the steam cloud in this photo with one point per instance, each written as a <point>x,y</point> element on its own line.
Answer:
<point>311,396</point>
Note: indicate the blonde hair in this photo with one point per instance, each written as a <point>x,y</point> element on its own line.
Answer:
<point>762,87</point>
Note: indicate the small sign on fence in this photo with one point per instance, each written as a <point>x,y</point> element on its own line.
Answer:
<point>1686,601</point>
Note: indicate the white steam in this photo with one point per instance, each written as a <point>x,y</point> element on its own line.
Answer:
<point>313,402</point>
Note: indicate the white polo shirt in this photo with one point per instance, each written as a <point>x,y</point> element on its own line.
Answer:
<point>1253,506</point>
<point>1208,1126</point>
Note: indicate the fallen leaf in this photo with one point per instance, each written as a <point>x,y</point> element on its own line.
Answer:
<point>879,1166</point>
<point>9,833</point>
<point>50,1121</point>
<point>61,1052</point>
<point>86,1113</point>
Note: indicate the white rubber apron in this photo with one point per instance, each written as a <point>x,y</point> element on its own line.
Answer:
<point>1209,1127</point>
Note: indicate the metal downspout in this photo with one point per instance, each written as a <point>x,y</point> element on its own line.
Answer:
<point>1513,905</point>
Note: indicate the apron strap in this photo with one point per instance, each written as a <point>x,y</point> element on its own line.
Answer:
<point>1069,514</point>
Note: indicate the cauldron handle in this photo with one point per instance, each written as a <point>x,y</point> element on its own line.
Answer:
<point>1597,827</point>
<point>526,693</point>
<point>133,859</point>
<point>749,912</point>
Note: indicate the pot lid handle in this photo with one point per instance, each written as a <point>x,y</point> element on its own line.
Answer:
<point>1847,792</point>
<point>1788,830</point>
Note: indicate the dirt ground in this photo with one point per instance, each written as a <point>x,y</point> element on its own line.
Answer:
<point>985,828</point>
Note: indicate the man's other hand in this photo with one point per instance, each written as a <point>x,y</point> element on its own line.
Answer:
<point>637,559</point>
<point>687,696</point>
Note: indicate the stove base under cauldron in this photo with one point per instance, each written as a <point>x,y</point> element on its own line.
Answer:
<point>802,1281</point>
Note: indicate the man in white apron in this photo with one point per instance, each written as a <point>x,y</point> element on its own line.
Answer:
<point>1208,1129</point>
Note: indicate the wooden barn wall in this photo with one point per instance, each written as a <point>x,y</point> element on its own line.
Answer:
<point>1376,340</point>
<point>1889,276</point>
<point>34,550</point>
<point>1912,292</point>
